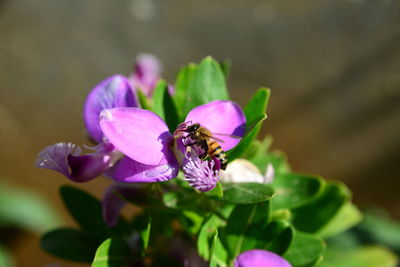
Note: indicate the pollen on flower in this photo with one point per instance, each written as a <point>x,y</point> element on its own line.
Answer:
<point>106,115</point>
<point>202,175</point>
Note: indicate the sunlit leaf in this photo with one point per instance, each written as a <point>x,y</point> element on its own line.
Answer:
<point>246,193</point>
<point>113,252</point>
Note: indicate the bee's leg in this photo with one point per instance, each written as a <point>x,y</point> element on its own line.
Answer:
<point>204,146</point>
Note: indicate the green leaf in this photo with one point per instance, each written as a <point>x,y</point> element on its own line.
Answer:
<point>182,82</point>
<point>295,190</point>
<point>226,68</point>
<point>245,227</point>
<point>113,252</point>
<point>258,153</point>
<point>70,244</point>
<point>347,217</point>
<point>368,256</point>
<point>142,224</point>
<point>316,214</point>
<point>87,212</point>
<point>219,256</point>
<point>26,209</point>
<point>5,258</point>
<point>216,192</point>
<point>206,85</point>
<point>191,221</point>
<point>377,227</point>
<point>164,106</point>
<point>305,250</point>
<point>277,237</point>
<point>255,113</point>
<point>144,102</point>
<point>247,193</point>
<point>207,231</point>
<point>245,143</point>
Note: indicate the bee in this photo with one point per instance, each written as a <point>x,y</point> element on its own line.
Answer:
<point>207,141</point>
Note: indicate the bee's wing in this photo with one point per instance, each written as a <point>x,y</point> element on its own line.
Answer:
<point>228,135</point>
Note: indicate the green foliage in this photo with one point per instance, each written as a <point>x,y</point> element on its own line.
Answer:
<point>5,258</point>
<point>164,106</point>
<point>26,210</point>
<point>70,244</point>
<point>206,84</point>
<point>87,212</point>
<point>113,252</point>
<point>247,193</point>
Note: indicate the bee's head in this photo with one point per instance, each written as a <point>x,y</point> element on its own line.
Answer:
<point>192,128</point>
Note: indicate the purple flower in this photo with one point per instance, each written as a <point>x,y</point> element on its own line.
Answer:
<point>146,74</point>
<point>153,154</point>
<point>260,258</point>
<point>66,158</point>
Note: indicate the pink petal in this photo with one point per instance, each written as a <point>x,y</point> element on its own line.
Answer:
<point>130,171</point>
<point>140,134</point>
<point>258,257</point>
<point>115,91</point>
<point>220,116</point>
<point>65,158</point>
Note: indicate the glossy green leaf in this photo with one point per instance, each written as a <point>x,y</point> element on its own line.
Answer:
<point>295,190</point>
<point>245,143</point>
<point>347,217</point>
<point>113,252</point>
<point>87,212</point>
<point>317,213</point>
<point>245,227</point>
<point>277,237</point>
<point>368,256</point>
<point>206,85</point>
<point>26,209</point>
<point>217,192</point>
<point>144,102</point>
<point>5,258</point>
<point>70,244</point>
<point>247,193</point>
<point>305,250</point>
<point>182,82</point>
<point>219,256</point>
<point>207,231</point>
<point>164,106</point>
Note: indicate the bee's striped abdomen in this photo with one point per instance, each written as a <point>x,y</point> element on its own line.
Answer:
<point>215,150</point>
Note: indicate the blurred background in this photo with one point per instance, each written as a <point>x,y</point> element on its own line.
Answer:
<point>333,67</point>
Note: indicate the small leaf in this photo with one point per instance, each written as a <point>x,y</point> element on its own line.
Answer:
<point>191,221</point>
<point>244,144</point>
<point>5,258</point>
<point>295,190</point>
<point>305,250</point>
<point>368,256</point>
<point>144,103</point>
<point>142,224</point>
<point>206,85</point>
<point>216,192</point>
<point>87,212</point>
<point>26,209</point>
<point>226,68</point>
<point>347,217</point>
<point>277,237</point>
<point>69,244</point>
<point>316,214</point>
<point>182,82</point>
<point>113,252</point>
<point>219,256</point>
<point>206,232</point>
<point>247,193</point>
<point>245,227</point>
<point>164,106</point>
